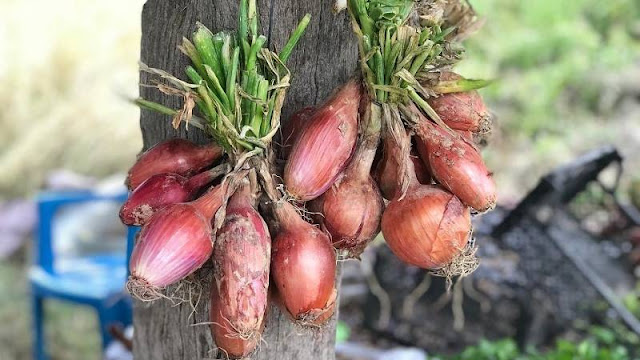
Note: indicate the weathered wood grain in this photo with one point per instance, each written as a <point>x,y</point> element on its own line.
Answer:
<point>325,57</point>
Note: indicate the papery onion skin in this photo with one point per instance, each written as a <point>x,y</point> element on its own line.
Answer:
<point>463,111</point>
<point>153,194</point>
<point>303,266</point>
<point>325,145</point>
<point>387,171</point>
<point>458,167</point>
<point>467,135</point>
<point>292,129</point>
<point>172,245</point>
<point>225,337</point>
<point>241,265</point>
<point>428,228</point>
<point>176,156</point>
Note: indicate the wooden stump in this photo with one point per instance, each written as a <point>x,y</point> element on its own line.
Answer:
<point>325,58</point>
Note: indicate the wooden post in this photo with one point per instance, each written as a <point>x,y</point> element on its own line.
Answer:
<point>325,58</point>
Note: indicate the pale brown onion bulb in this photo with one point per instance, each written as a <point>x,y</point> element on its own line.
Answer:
<point>428,228</point>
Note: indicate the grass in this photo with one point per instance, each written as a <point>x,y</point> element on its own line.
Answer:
<point>71,330</point>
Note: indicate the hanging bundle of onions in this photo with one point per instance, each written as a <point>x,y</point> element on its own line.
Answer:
<point>235,91</point>
<point>407,49</point>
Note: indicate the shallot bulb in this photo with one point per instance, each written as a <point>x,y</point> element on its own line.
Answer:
<point>291,129</point>
<point>241,272</point>
<point>176,156</point>
<point>464,111</point>
<point>325,145</point>
<point>457,166</point>
<point>175,242</point>
<point>303,266</point>
<point>226,338</point>
<point>162,190</point>
<point>351,209</point>
<point>427,228</point>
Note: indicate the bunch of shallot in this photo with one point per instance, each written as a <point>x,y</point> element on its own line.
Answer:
<point>392,150</point>
<point>421,117</point>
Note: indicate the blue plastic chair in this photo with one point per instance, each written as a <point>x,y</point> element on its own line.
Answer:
<point>96,280</point>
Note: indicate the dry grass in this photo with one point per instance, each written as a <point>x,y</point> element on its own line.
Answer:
<point>63,65</point>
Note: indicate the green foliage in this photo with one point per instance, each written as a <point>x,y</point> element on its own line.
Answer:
<point>634,192</point>
<point>394,52</point>
<point>601,345</point>
<point>342,332</point>
<point>548,56</point>
<point>486,350</point>
<point>236,83</point>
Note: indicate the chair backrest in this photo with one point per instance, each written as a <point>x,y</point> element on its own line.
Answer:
<point>48,204</point>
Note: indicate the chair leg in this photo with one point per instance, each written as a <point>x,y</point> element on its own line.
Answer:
<point>109,316</point>
<point>39,348</point>
<point>105,318</point>
<point>119,313</point>
<point>126,311</point>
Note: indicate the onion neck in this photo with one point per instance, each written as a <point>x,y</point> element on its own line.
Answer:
<point>360,165</point>
<point>411,173</point>
<point>400,147</point>
<point>210,151</point>
<point>204,178</point>
<point>242,197</point>
<point>288,216</point>
<point>211,201</point>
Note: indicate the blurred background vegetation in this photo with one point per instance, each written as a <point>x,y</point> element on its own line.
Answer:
<point>567,79</point>
<point>63,67</point>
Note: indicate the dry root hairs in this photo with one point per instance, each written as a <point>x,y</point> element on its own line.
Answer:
<point>465,263</point>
